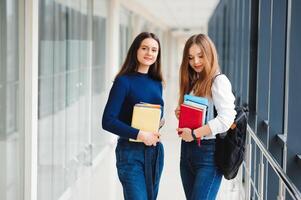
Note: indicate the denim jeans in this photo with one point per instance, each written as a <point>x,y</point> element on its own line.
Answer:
<point>200,177</point>
<point>139,169</point>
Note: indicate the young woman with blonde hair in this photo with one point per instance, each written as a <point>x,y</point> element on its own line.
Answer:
<point>200,75</point>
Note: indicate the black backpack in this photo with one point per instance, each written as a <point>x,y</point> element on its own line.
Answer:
<point>230,146</point>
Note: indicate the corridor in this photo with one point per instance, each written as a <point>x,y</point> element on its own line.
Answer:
<point>58,59</point>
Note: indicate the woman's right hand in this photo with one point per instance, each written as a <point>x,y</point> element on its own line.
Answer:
<point>177,112</point>
<point>149,138</point>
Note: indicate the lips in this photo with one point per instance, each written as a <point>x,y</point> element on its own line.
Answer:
<point>148,58</point>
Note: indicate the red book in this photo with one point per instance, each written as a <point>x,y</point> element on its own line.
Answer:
<point>190,117</point>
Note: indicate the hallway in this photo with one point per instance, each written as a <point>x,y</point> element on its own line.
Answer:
<point>58,59</point>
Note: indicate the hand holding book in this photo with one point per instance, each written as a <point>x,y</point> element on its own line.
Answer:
<point>186,134</point>
<point>146,118</point>
<point>148,138</point>
<point>192,115</point>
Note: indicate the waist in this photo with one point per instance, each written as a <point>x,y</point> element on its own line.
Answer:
<point>126,141</point>
<point>203,142</point>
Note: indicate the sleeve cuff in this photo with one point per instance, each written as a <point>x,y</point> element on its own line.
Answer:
<point>217,126</point>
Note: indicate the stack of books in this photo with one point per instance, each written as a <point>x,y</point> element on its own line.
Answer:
<point>193,112</point>
<point>146,117</point>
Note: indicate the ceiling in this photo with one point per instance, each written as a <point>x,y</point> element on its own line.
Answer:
<point>182,16</point>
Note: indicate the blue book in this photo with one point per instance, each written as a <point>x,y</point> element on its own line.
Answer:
<point>195,99</point>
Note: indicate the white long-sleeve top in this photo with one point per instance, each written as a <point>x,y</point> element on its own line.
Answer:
<point>223,100</point>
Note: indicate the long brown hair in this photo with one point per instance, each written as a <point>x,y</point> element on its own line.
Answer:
<point>131,63</point>
<point>201,82</point>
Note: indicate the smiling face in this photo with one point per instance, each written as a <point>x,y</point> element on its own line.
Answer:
<point>196,58</point>
<point>147,52</point>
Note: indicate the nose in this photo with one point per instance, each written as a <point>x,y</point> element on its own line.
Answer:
<point>149,52</point>
<point>196,60</point>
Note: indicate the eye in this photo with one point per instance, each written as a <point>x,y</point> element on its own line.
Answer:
<point>143,48</point>
<point>190,58</point>
<point>154,50</point>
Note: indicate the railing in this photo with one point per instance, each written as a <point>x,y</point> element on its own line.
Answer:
<point>285,183</point>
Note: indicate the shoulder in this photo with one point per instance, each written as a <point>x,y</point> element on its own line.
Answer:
<point>122,81</point>
<point>159,84</point>
<point>221,81</point>
<point>124,78</point>
<point>154,81</point>
<point>221,86</point>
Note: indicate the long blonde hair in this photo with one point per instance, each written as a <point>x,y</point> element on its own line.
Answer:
<point>199,83</point>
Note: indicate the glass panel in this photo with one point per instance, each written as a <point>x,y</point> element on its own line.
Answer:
<point>67,64</point>
<point>45,96</point>
<point>64,93</point>
<point>124,36</point>
<point>98,76</point>
<point>12,108</point>
<point>2,111</point>
<point>45,158</point>
<point>59,130</point>
<point>46,36</point>
<point>59,101</point>
<point>11,139</point>
<point>59,98</point>
<point>12,41</point>
<point>99,59</point>
<point>45,100</point>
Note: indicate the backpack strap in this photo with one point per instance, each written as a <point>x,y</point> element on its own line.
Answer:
<point>216,76</point>
<point>214,110</point>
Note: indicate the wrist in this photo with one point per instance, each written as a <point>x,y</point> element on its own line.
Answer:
<point>140,135</point>
<point>193,134</point>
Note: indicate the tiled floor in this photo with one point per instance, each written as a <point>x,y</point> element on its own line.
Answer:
<point>102,183</point>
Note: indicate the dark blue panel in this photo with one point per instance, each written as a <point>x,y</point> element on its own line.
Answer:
<point>294,96</point>
<point>227,41</point>
<point>278,50</point>
<point>276,117</point>
<point>263,73</point>
<point>238,65</point>
<point>253,62</point>
<point>234,35</point>
<point>246,50</point>
<point>224,33</point>
<point>231,41</point>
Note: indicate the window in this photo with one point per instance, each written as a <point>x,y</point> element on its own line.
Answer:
<point>11,137</point>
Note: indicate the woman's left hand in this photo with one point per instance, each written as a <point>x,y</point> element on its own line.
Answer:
<point>185,134</point>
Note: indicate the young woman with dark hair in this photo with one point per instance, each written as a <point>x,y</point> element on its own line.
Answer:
<point>139,164</point>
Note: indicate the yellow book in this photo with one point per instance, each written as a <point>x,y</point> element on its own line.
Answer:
<point>146,117</point>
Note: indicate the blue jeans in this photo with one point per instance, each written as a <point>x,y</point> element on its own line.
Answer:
<point>200,177</point>
<point>139,169</point>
